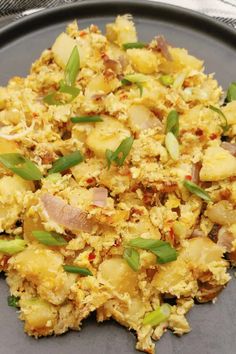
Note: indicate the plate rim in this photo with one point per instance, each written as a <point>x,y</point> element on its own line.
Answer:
<point>36,21</point>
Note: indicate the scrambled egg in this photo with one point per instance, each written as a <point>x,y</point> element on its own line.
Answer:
<point>145,196</point>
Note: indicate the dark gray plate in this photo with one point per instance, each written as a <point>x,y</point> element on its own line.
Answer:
<point>20,44</point>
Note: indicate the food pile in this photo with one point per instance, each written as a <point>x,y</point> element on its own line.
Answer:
<point>117,184</point>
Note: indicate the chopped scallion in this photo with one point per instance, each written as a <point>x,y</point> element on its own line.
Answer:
<point>12,246</point>
<point>172,123</point>
<point>195,189</point>
<point>77,270</point>
<point>231,92</point>
<point>119,155</point>
<point>72,67</point>
<point>172,145</point>
<point>134,45</point>
<point>167,80</point>
<point>21,166</point>
<point>13,301</point>
<point>86,119</point>
<point>225,126</point>
<point>161,314</point>
<point>132,258</point>
<point>67,161</point>
<point>49,238</point>
<point>137,79</point>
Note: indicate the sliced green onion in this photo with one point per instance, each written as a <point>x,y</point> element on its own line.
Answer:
<point>12,246</point>
<point>49,238</point>
<point>71,90</point>
<point>161,314</point>
<point>67,161</point>
<point>13,301</point>
<point>172,145</point>
<point>231,93</point>
<point>195,189</point>
<point>134,45</point>
<point>86,119</point>
<point>119,155</point>
<point>162,249</point>
<point>132,258</point>
<point>51,98</point>
<point>167,80</point>
<point>21,166</point>
<point>137,79</point>
<point>77,270</point>
<point>172,123</point>
<point>225,126</point>
<point>72,67</point>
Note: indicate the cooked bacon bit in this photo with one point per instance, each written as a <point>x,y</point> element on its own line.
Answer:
<point>100,196</point>
<point>91,180</point>
<point>196,167</point>
<point>198,132</point>
<point>225,194</point>
<point>91,256</point>
<point>188,177</point>
<point>65,214</point>
<point>225,239</point>
<point>229,147</point>
<point>207,292</point>
<point>213,136</point>
<point>162,46</point>
<point>4,262</point>
<point>83,33</point>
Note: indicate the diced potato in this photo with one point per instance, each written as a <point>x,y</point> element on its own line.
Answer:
<point>100,84</point>
<point>181,56</point>
<point>9,185</point>
<point>119,275</point>
<point>201,251</point>
<point>39,316</point>
<point>222,213</point>
<point>140,118</point>
<point>106,135</point>
<point>43,268</point>
<point>121,31</point>
<point>217,164</point>
<point>143,60</point>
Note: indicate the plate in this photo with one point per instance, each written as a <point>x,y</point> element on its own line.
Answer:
<point>213,326</point>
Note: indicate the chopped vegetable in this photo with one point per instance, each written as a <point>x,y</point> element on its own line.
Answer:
<point>49,238</point>
<point>137,79</point>
<point>100,196</point>
<point>163,250</point>
<point>13,301</point>
<point>172,145</point>
<point>132,258</point>
<point>231,93</point>
<point>21,166</point>
<point>12,246</point>
<point>162,46</point>
<point>225,126</point>
<point>119,155</point>
<point>86,119</point>
<point>161,314</point>
<point>134,45</point>
<point>195,189</point>
<point>67,161</point>
<point>167,80</point>
<point>172,123</point>
<point>72,67</point>
<point>77,270</point>
<point>51,98</point>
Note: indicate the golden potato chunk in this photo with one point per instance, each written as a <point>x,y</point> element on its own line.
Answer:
<point>143,60</point>
<point>121,31</point>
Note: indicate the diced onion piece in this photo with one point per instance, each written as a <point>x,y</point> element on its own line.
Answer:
<point>229,147</point>
<point>100,196</point>
<point>161,314</point>
<point>172,146</point>
<point>64,214</point>
<point>141,118</point>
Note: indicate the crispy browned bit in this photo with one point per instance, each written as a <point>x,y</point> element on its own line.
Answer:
<point>225,194</point>
<point>213,234</point>
<point>4,262</point>
<point>198,132</point>
<point>232,258</point>
<point>196,167</point>
<point>150,273</point>
<point>47,158</point>
<point>207,292</point>
<point>169,187</point>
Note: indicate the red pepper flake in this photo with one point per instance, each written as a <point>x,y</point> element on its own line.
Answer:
<point>188,177</point>
<point>91,180</point>
<point>213,136</point>
<point>91,256</point>
<point>199,132</point>
<point>82,33</point>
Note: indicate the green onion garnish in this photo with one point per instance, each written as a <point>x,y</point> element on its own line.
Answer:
<point>71,90</point>
<point>172,145</point>
<point>225,126</point>
<point>12,246</point>
<point>77,270</point>
<point>231,93</point>
<point>13,301</point>
<point>134,45</point>
<point>172,123</point>
<point>67,161</point>
<point>119,155</point>
<point>51,99</point>
<point>49,238</point>
<point>167,80</point>
<point>132,258</point>
<point>162,249</point>
<point>161,314</point>
<point>137,79</point>
<point>86,119</point>
<point>195,189</point>
<point>72,67</point>
<point>21,166</point>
